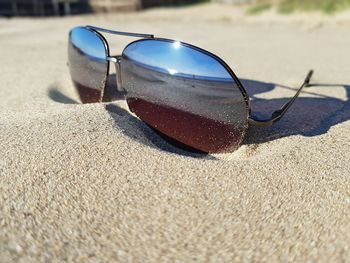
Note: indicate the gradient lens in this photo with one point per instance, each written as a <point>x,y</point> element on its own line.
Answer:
<point>87,53</point>
<point>184,93</point>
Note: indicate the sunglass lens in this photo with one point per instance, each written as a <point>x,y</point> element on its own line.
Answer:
<point>87,53</point>
<point>184,93</point>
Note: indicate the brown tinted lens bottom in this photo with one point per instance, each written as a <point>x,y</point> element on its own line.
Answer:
<point>86,94</point>
<point>176,143</point>
<point>198,132</point>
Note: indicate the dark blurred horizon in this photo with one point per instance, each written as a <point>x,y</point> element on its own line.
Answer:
<point>66,7</point>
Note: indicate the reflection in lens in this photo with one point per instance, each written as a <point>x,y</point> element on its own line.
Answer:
<point>88,66</point>
<point>185,94</point>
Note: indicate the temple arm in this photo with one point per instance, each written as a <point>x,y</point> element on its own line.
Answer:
<point>278,114</point>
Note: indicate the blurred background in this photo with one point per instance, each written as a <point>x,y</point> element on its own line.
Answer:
<point>67,7</point>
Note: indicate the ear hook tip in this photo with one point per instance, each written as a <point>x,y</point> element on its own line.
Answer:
<point>309,76</point>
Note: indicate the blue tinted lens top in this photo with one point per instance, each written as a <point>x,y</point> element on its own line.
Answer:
<point>177,59</point>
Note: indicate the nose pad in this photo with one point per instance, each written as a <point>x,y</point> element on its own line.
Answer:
<point>118,75</point>
<point>113,88</point>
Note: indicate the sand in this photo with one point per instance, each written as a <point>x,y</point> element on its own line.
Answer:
<point>92,183</point>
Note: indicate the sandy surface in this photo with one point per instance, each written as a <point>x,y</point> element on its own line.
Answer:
<point>93,183</point>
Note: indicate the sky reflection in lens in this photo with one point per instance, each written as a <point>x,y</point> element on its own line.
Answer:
<point>176,59</point>
<point>88,43</point>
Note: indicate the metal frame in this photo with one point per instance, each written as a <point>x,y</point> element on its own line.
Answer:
<point>129,34</point>
<point>278,114</point>
<point>251,120</point>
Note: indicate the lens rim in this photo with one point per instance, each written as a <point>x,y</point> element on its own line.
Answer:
<point>107,51</point>
<point>219,60</point>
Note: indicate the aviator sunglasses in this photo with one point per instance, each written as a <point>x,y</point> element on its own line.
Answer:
<point>186,94</point>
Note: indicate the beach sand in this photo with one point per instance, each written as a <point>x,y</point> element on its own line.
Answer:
<point>92,183</point>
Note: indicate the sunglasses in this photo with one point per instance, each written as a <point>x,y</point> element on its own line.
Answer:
<point>186,94</point>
